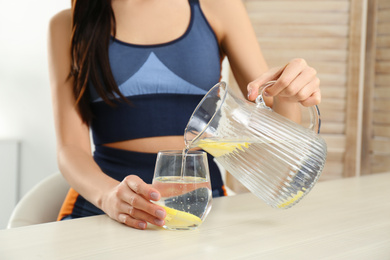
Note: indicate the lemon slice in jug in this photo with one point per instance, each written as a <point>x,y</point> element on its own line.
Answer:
<point>220,148</point>
<point>291,200</point>
<point>177,218</point>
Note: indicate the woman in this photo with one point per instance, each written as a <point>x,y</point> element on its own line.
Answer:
<point>132,72</point>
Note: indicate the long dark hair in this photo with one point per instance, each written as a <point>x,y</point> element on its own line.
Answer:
<point>93,21</point>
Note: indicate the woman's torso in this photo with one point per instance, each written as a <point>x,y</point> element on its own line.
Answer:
<point>165,24</point>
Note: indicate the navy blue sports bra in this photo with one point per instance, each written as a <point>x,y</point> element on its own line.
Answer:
<point>164,83</point>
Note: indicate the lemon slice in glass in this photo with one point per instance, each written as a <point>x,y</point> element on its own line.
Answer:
<point>177,218</point>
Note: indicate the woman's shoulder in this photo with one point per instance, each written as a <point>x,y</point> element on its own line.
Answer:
<point>60,28</point>
<point>223,8</point>
<point>223,14</point>
<point>59,35</point>
<point>61,20</point>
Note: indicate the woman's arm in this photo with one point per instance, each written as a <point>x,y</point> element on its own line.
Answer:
<point>128,201</point>
<point>296,81</point>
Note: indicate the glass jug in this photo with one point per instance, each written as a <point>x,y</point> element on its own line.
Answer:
<point>275,158</point>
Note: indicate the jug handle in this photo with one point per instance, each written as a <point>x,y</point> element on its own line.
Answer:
<point>314,112</point>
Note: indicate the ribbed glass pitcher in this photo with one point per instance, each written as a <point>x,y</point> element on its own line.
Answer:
<point>277,159</point>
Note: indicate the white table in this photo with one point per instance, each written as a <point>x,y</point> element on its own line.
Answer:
<point>340,219</point>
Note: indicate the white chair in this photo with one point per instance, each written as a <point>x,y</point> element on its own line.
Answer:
<point>41,204</point>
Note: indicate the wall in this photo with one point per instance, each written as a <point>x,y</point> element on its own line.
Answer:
<point>25,102</point>
<point>9,152</point>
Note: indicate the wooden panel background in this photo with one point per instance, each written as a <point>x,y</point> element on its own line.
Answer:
<point>318,31</point>
<point>376,155</point>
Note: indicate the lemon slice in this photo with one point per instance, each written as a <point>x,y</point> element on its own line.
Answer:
<point>218,149</point>
<point>291,200</point>
<point>177,218</point>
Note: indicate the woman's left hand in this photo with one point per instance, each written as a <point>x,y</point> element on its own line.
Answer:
<point>295,82</point>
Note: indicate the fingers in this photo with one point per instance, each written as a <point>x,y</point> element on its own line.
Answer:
<point>137,185</point>
<point>131,222</point>
<point>134,206</point>
<point>302,89</point>
<point>137,218</point>
<point>296,82</point>
<point>253,87</point>
<point>314,99</point>
<point>291,79</point>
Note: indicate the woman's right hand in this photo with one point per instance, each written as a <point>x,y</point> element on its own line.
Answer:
<point>129,203</point>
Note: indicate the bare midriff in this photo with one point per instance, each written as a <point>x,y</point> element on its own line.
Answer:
<point>150,144</point>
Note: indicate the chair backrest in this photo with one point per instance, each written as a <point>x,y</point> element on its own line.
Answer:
<point>41,204</point>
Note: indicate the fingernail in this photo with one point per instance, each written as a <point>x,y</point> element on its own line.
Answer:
<point>160,213</point>
<point>249,93</point>
<point>154,195</point>
<point>265,93</point>
<point>159,222</point>
<point>142,225</point>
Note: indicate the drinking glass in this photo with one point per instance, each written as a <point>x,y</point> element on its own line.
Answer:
<point>183,180</point>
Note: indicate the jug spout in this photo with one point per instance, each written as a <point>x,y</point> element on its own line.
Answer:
<point>219,115</point>
<point>200,122</point>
